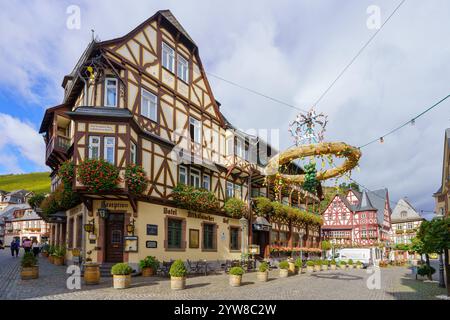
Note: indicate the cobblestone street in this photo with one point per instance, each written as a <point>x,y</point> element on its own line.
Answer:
<point>396,283</point>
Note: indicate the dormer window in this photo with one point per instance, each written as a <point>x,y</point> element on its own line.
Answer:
<point>111,92</point>
<point>168,57</point>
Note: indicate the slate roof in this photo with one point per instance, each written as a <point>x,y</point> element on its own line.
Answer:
<point>101,112</point>
<point>378,199</point>
<point>169,16</point>
<point>365,204</point>
<point>8,212</point>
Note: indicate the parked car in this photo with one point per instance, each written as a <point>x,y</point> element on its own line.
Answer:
<point>365,255</point>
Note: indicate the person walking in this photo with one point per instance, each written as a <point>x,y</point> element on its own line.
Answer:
<point>14,248</point>
<point>35,247</point>
<point>26,244</point>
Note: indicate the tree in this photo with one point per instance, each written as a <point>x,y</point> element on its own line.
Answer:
<point>435,236</point>
<point>343,187</point>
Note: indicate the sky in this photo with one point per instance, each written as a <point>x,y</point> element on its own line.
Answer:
<point>289,50</point>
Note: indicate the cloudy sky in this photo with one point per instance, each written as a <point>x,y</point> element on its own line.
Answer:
<point>291,50</point>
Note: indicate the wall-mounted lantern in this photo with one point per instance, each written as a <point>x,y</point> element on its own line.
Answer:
<point>131,227</point>
<point>103,211</point>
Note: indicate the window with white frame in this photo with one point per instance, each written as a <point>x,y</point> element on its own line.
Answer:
<point>206,182</point>
<point>240,148</point>
<point>230,189</point>
<point>94,147</point>
<point>183,68</point>
<point>133,153</point>
<point>149,105</point>
<point>182,175</point>
<point>194,129</point>
<point>230,146</point>
<point>195,178</point>
<point>238,191</point>
<point>168,57</point>
<point>109,149</point>
<point>111,92</point>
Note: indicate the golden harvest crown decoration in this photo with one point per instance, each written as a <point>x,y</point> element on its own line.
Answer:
<point>303,130</point>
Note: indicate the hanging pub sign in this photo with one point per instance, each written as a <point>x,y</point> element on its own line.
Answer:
<point>253,249</point>
<point>152,229</point>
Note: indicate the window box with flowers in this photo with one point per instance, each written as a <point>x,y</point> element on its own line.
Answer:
<point>192,199</point>
<point>98,175</point>
<point>235,208</point>
<point>136,179</point>
<point>66,172</point>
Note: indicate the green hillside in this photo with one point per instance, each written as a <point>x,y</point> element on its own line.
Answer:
<point>37,182</point>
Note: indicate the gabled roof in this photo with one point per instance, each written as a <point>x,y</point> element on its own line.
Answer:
<point>378,198</point>
<point>169,16</point>
<point>365,204</point>
<point>404,211</point>
<point>48,117</point>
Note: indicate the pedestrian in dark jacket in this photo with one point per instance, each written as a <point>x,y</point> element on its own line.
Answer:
<point>14,249</point>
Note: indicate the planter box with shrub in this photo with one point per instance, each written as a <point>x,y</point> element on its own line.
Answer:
<point>236,276</point>
<point>310,266</point>
<point>149,266</point>
<point>284,269</point>
<point>178,274</point>
<point>263,272</point>
<point>30,269</point>
<point>121,275</point>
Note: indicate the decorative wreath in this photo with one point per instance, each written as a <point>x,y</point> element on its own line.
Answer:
<point>339,149</point>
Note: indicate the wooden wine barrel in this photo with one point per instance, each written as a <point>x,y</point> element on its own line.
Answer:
<point>148,272</point>
<point>91,273</point>
<point>29,273</point>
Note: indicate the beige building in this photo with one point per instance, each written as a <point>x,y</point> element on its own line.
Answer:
<point>144,99</point>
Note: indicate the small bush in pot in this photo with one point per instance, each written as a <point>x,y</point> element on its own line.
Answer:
<point>284,269</point>
<point>358,264</point>
<point>148,266</point>
<point>30,269</point>
<point>343,265</point>
<point>178,274</point>
<point>59,254</point>
<point>324,265</point>
<point>263,272</point>
<point>425,270</point>
<point>317,265</point>
<point>236,276</point>
<point>299,265</point>
<point>309,266</point>
<point>350,264</point>
<point>121,275</point>
<point>333,264</point>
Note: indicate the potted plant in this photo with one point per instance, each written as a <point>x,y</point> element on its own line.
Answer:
<point>299,265</point>
<point>178,274</point>
<point>149,266</point>
<point>58,255</point>
<point>121,275</point>
<point>358,264</point>
<point>324,265</point>
<point>317,265</point>
<point>309,266</point>
<point>350,263</point>
<point>51,250</point>
<point>425,271</point>
<point>284,269</point>
<point>343,265</point>
<point>30,269</point>
<point>333,264</point>
<point>263,272</point>
<point>236,276</point>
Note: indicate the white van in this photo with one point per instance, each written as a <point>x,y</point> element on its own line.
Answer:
<point>365,255</point>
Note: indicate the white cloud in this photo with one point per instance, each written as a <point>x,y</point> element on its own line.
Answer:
<point>290,50</point>
<point>23,137</point>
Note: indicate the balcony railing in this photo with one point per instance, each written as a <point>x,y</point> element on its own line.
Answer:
<point>57,144</point>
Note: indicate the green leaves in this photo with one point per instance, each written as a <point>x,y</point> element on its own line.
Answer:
<point>190,198</point>
<point>97,175</point>
<point>311,183</point>
<point>235,208</point>
<point>136,179</point>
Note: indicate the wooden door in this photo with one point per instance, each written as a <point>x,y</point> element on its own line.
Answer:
<point>114,237</point>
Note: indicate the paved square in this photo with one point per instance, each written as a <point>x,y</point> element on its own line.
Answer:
<point>396,283</point>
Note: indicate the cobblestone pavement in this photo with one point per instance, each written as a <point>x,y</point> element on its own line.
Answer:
<point>396,283</point>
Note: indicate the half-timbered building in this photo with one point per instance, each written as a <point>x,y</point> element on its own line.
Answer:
<point>358,219</point>
<point>144,98</point>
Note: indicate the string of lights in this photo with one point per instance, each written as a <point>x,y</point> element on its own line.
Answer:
<point>409,122</point>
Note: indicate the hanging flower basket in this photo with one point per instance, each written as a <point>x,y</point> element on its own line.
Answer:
<point>98,175</point>
<point>193,199</point>
<point>136,179</point>
<point>66,173</point>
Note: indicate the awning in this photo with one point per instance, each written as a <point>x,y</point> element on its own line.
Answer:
<point>261,224</point>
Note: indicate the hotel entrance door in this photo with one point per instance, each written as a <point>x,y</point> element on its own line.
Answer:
<point>114,237</point>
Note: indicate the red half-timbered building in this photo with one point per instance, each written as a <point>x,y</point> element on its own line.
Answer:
<point>358,219</point>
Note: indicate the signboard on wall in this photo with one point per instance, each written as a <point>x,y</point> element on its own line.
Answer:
<point>102,128</point>
<point>131,244</point>
<point>151,244</point>
<point>152,229</point>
